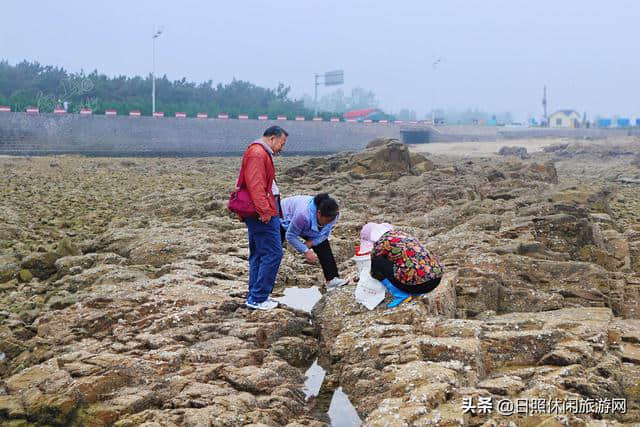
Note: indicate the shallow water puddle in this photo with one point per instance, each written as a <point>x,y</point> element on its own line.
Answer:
<point>341,411</point>
<point>301,298</point>
<point>314,378</point>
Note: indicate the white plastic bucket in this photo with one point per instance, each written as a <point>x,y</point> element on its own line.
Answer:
<point>363,262</point>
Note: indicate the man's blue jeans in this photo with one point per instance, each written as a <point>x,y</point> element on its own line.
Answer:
<point>265,254</point>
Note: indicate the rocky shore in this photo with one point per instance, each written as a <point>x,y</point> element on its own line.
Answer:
<point>122,285</point>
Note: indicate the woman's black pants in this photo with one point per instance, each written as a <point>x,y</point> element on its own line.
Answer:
<point>382,268</point>
<point>325,256</point>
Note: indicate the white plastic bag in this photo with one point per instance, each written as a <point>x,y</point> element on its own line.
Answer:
<point>369,291</point>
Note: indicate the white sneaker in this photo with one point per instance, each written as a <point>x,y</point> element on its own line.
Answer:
<point>336,282</point>
<point>267,304</point>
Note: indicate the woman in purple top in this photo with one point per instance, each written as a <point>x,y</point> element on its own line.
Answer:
<point>306,224</point>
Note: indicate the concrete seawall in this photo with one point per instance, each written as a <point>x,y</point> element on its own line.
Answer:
<point>21,133</point>
<point>500,133</point>
<point>41,134</point>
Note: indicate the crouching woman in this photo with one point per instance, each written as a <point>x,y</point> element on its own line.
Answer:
<point>401,263</point>
<point>306,224</point>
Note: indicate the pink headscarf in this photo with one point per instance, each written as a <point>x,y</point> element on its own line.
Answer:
<point>370,233</point>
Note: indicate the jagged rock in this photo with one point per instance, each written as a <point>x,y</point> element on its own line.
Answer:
<point>8,267</point>
<point>554,147</point>
<point>103,274</point>
<point>41,265</point>
<point>631,353</point>
<point>378,142</point>
<point>11,407</point>
<point>65,247</point>
<point>504,386</point>
<point>297,351</point>
<point>9,231</point>
<point>545,172</point>
<point>387,162</point>
<point>440,302</point>
<point>321,167</point>
<point>495,175</point>
<point>45,393</point>
<point>59,302</point>
<point>67,264</point>
<point>520,152</point>
<point>25,275</point>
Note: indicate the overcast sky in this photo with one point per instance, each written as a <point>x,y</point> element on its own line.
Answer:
<point>496,54</point>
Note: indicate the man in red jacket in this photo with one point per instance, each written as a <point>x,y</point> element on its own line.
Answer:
<point>265,246</point>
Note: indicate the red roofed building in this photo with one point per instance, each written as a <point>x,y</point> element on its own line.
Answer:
<point>374,114</point>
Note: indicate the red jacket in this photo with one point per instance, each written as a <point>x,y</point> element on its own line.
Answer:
<point>259,174</point>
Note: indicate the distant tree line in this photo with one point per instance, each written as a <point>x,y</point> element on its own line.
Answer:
<point>44,86</point>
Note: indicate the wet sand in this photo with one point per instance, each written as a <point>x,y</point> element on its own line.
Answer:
<point>486,148</point>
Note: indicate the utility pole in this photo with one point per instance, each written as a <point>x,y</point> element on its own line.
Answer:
<point>156,34</point>
<point>544,105</point>
<point>315,97</point>
<point>331,78</point>
<point>433,92</point>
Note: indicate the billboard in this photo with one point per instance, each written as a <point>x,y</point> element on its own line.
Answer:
<point>332,78</point>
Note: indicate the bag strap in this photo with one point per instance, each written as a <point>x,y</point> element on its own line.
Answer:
<point>240,180</point>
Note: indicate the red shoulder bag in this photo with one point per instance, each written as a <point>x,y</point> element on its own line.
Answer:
<point>240,202</point>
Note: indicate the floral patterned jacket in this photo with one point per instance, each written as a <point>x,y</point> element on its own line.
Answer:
<point>412,263</point>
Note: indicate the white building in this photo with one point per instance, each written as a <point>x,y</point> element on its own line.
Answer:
<point>565,119</point>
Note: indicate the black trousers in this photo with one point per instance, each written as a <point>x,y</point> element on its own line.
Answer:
<point>325,256</point>
<point>382,268</point>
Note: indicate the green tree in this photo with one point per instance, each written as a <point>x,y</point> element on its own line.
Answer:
<point>29,83</point>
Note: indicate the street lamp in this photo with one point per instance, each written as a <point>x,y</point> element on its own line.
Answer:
<point>433,96</point>
<point>331,78</point>
<point>153,72</point>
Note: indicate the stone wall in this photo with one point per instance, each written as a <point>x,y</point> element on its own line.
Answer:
<point>21,133</point>
<point>461,133</point>
<point>518,133</point>
<point>40,134</point>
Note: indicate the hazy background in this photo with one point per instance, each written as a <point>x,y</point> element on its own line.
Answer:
<point>496,55</point>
